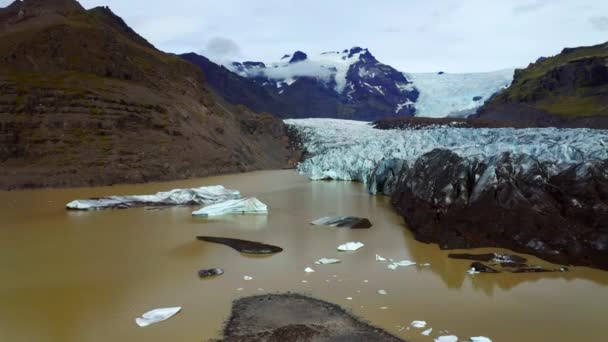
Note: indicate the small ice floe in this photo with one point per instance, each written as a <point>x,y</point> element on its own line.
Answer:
<point>427,332</point>
<point>327,261</point>
<point>193,196</point>
<point>472,271</point>
<point>308,270</point>
<point>380,258</point>
<point>247,278</point>
<point>426,264</point>
<point>305,281</point>
<point>350,246</point>
<point>366,281</point>
<point>418,324</point>
<point>383,307</point>
<point>480,339</point>
<point>240,289</point>
<point>403,263</point>
<point>157,315</point>
<point>250,205</point>
<point>349,298</point>
<point>343,222</point>
<point>447,338</point>
<point>382,292</point>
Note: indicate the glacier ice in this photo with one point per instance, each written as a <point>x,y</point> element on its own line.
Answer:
<point>156,315</point>
<point>236,206</point>
<point>193,196</point>
<point>327,261</point>
<point>350,150</point>
<point>350,246</point>
<point>452,94</point>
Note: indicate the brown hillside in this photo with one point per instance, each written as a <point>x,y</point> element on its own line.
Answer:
<point>84,100</point>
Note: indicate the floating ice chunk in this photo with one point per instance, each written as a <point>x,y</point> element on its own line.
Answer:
<point>426,264</point>
<point>472,271</point>
<point>157,315</point>
<point>382,292</point>
<point>349,298</point>
<point>308,270</point>
<point>238,206</point>
<point>480,339</point>
<point>240,289</point>
<point>427,332</point>
<point>383,307</point>
<point>350,246</point>
<point>247,278</point>
<point>379,258</point>
<point>193,196</point>
<point>447,338</point>
<point>403,263</point>
<point>326,261</point>
<point>305,281</point>
<point>418,324</point>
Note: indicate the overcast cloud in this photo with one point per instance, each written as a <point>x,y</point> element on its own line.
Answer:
<point>411,35</point>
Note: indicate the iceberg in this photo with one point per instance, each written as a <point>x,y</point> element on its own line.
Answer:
<point>350,246</point>
<point>427,332</point>
<point>192,196</point>
<point>447,338</point>
<point>327,261</point>
<point>156,315</point>
<point>236,206</point>
<point>418,324</point>
<point>480,339</point>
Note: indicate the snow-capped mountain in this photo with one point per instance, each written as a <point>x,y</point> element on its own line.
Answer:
<point>353,84</point>
<point>344,84</point>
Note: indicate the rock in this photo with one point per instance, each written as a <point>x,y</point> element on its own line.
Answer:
<point>298,56</point>
<point>489,257</point>
<point>243,246</point>
<point>210,272</point>
<point>511,201</point>
<point>193,196</point>
<point>295,317</point>
<point>343,222</point>
<point>481,268</point>
<point>477,98</point>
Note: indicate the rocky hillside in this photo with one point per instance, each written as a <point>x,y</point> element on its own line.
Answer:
<point>568,90</point>
<point>84,100</point>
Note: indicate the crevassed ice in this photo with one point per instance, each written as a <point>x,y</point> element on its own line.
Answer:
<point>349,150</point>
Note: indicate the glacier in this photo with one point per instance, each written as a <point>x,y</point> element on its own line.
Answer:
<point>350,150</point>
<point>448,94</point>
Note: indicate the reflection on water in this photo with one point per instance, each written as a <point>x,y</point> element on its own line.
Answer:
<point>84,276</point>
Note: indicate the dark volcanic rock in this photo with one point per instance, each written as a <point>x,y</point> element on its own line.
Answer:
<point>508,201</point>
<point>343,222</point>
<point>298,56</point>
<point>296,318</point>
<point>496,257</point>
<point>243,246</point>
<point>212,272</point>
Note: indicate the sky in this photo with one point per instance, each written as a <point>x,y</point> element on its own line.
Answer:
<point>410,35</point>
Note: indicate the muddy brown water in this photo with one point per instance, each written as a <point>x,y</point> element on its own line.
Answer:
<point>85,276</point>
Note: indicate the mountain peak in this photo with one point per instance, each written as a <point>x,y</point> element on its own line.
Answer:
<point>298,56</point>
<point>48,5</point>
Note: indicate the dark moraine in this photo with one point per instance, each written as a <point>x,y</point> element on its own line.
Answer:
<point>293,317</point>
<point>243,246</point>
<point>212,272</point>
<point>507,201</point>
<point>487,257</point>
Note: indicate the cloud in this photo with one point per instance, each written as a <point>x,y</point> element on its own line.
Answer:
<point>530,7</point>
<point>222,48</point>
<point>599,23</point>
